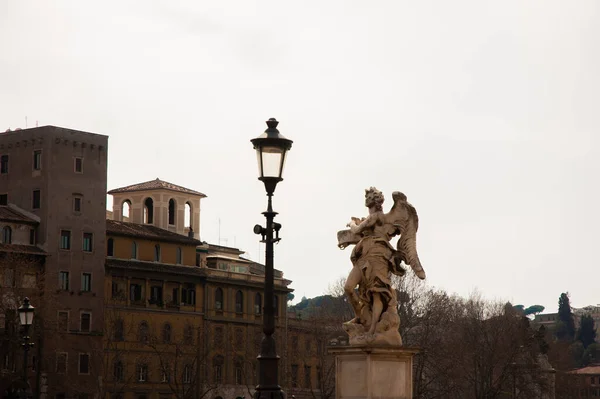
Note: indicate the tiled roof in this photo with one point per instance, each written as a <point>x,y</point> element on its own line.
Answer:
<point>595,369</point>
<point>10,214</point>
<point>23,249</point>
<point>155,185</point>
<point>146,231</point>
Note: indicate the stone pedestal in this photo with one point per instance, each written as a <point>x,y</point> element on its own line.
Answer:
<point>366,372</point>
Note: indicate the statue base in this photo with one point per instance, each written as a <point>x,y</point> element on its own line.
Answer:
<point>371,372</point>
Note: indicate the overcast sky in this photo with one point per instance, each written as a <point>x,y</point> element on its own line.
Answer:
<point>484,113</point>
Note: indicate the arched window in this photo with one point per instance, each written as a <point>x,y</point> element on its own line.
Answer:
<point>179,256</point>
<point>276,305</point>
<point>119,330</point>
<point>157,253</point>
<point>110,247</point>
<point>118,371</point>
<point>239,302</point>
<point>166,333</point>
<point>188,217</point>
<point>134,250</point>
<point>171,211</point>
<point>143,332</point>
<point>258,303</point>
<point>148,211</point>
<point>187,374</point>
<point>219,299</point>
<point>188,335</point>
<point>217,369</point>
<point>6,235</point>
<point>126,210</point>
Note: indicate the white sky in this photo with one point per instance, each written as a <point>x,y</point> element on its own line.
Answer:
<point>484,113</point>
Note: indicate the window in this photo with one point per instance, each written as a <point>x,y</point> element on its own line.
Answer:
<point>219,299</point>
<point>156,295</point>
<point>87,242</point>
<point>157,253</point>
<point>188,294</point>
<point>9,278</point>
<point>135,292</point>
<point>3,164</point>
<point>257,303</point>
<point>37,159</point>
<point>6,235</point>
<point>86,282</point>
<point>85,322</point>
<point>175,299</point>
<point>84,363</point>
<point>118,289</point>
<point>166,374</point>
<point>134,250</point>
<point>61,362</point>
<point>63,281</point>
<point>77,204</point>
<point>171,212</point>
<point>3,199</point>
<point>65,239</point>
<point>110,247</point>
<point>188,335</point>
<point>119,330</point>
<point>239,375</point>
<point>166,333</point>
<point>217,369</point>
<point>239,302</point>
<point>31,236</point>
<point>142,373</point>
<point>187,374</point>
<point>143,332</point>
<point>78,165</point>
<point>294,375</point>
<point>118,371</point>
<point>179,256</point>
<point>37,199</point>
<point>148,211</point>
<point>307,383</point>
<point>63,321</point>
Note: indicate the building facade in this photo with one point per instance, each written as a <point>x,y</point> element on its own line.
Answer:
<point>59,175</point>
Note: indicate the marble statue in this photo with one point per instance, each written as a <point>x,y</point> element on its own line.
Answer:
<point>374,260</point>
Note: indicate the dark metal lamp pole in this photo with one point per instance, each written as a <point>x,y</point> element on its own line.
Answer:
<point>26,318</point>
<point>271,148</point>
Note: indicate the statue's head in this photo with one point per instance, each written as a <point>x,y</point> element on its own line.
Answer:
<point>374,197</point>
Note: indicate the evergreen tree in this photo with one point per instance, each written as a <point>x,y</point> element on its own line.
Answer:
<point>587,331</point>
<point>566,326</point>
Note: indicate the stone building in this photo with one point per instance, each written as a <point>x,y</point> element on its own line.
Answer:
<point>59,176</point>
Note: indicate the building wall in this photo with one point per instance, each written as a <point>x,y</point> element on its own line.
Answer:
<point>122,247</point>
<point>59,183</point>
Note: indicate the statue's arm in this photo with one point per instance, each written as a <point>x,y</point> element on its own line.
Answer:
<point>365,224</point>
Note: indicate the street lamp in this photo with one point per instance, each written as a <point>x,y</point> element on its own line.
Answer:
<point>271,148</point>
<point>26,317</point>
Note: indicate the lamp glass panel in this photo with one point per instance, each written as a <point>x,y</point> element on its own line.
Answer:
<point>271,161</point>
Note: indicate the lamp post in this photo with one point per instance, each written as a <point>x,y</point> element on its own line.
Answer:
<point>26,318</point>
<point>271,148</point>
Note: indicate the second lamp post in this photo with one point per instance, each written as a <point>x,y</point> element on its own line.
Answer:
<point>271,149</point>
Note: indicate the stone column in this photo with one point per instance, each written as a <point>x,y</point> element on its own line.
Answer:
<point>364,372</point>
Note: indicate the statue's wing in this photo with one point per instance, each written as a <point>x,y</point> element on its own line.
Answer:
<point>407,220</point>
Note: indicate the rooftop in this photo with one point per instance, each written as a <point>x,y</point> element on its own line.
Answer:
<point>593,369</point>
<point>156,184</point>
<point>147,231</point>
<point>9,213</point>
<point>21,249</point>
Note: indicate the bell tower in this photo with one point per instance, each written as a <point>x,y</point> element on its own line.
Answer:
<point>159,203</point>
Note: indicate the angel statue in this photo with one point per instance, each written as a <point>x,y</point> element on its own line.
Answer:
<point>374,260</point>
